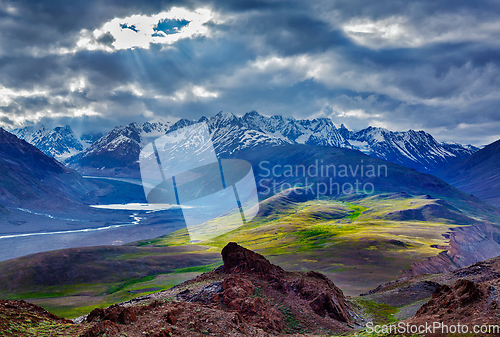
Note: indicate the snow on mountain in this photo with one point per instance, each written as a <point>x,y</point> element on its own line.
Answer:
<point>89,139</point>
<point>231,134</point>
<point>414,149</point>
<point>151,130</point>
<point>117,152</point>
<point>59,143</point>
<point>320,131</point>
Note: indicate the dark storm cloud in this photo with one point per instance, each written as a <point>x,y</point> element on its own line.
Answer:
<point>291,32</point>
<point>416,10</point>
<point>397,64</point>
<point>26,71</point>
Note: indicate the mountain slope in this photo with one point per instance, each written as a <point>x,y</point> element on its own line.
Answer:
<point>114,154</point>
<point>117,153</point>
<point>28,177</point>
<point>320,131</point>
<point>414,149</point>
<point>357,240</point>
<point>478,174</point>
<point>466,295</point>
<point>326,165</point>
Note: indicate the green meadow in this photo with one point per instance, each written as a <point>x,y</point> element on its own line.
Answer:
<point>358,243</point>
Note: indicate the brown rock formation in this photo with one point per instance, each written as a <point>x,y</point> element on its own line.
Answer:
<point>239,260</point>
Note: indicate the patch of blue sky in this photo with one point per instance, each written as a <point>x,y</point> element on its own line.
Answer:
<point>126,26</point>
<point>170,26</point>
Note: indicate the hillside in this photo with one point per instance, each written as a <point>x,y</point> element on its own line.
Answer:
<point>467,295</point>
<point>357,239</point>
<point>408,218</point>
<point>31,179</point>
<point>345,173</point>
<point>478,174</point>
<point>358,244</point>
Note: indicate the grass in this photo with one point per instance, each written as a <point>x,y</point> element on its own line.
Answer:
<point>118,287</point>
<point>198,269</point>
<point>73,300</point>
<point>30,324</point>
<point>71,304</point>
<point>379,313</point>
<point>59,291</point>
<point>291,325</point>
<point>42,328</point>
<point>66,281</point>
<point>357,211</point>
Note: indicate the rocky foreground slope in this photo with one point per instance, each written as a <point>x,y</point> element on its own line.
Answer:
<point>469,296</point>
<point>249,296</point>
<point>246,296</point>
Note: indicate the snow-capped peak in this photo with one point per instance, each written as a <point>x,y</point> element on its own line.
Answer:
<point>60,143</point>
<point>231,134</point>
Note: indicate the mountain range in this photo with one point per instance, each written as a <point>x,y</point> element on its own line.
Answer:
<point>116,153</point>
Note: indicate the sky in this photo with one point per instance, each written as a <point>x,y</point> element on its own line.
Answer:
<point>422,65</point>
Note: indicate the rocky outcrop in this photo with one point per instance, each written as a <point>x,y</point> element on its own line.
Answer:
<point>324,297</point>
<point>451,299</point>
<point>115,314</point>
<point>13,307</point>
<point>465,301</point>
<point>239,260</point>
<point>20,318</point>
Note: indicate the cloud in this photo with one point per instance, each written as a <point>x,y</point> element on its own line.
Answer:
<point>140,31</point>
<point>421,65</point>
<point>401,32</point>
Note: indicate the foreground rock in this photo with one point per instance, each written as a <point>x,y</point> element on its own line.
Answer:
<point>247,296</point>
<point>465,301</point>
<point>467,296</point>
